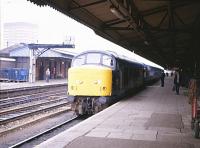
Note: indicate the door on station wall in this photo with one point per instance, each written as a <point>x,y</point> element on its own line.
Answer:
<point>41,70</point>
<point>62,69</point>
<point>67,66</point>
<point>65,69</point>
<point>52,67</point>
<point>54,70</point>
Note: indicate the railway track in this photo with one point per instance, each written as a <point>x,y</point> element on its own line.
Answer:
<point>9,102</point>
<point>10,93</point>
<point>20,111</point>
<point>19,122</point>
<point>29,112</point>
<point>35,137</point>
<point>32,106</point>
<point>41,111</point>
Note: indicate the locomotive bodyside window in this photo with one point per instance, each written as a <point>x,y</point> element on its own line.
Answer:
<point>80,60</point>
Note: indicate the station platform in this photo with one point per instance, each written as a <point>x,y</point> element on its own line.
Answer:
<point>22,85</point>
<point>153,118</point>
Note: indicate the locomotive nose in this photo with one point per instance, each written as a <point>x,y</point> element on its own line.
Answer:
<point>90,81</point>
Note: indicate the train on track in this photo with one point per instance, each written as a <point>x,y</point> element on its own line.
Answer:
<point>99,78</point>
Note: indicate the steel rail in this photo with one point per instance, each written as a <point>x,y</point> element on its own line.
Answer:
<point>26,100</point>
<point>32,113</point>
<point>26,96</point>
<point>31,106</point>
<point>42,133</point>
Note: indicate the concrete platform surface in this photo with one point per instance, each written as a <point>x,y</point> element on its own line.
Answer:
<point>16,85</point>
<point>92,142</point>
<point>154,118</point>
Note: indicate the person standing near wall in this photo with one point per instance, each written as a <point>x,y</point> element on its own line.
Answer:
<point>177,81</point>
<point>47,75</point>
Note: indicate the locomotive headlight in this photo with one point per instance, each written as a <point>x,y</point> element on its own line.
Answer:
<point>104,88</point>
<point>73,87</point>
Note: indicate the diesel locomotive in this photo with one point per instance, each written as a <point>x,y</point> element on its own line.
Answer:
<point>98,78</point>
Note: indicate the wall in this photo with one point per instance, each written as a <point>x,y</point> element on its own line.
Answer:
<point>7,64</point>
<point>22,62</point>
<point>58,67</point>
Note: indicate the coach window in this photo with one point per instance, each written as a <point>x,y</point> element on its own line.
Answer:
<point>93,58</point>
<point>80,60</point>
<point>108,61</point>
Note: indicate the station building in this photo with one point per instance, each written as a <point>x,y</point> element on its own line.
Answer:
<point>19,56</point>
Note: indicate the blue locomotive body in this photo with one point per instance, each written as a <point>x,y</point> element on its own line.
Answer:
<point>98,78</point>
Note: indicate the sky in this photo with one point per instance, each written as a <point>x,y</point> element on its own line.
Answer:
<point>55,27</point>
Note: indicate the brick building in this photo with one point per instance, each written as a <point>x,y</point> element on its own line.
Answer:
<point>46,56</point>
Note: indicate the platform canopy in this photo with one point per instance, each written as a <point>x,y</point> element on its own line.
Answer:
<point>164,31</point>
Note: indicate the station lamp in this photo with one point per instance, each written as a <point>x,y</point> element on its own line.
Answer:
<point>146,42</point>
<point>116,12</point>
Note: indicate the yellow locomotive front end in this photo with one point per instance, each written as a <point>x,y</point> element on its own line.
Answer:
<point>90,81</point>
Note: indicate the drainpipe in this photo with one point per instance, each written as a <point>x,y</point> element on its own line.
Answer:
<point>32,66</point>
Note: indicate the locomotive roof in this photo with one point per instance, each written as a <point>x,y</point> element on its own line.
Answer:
<point>112,53</point>
<point>97,51</point>
<point>119,56</point>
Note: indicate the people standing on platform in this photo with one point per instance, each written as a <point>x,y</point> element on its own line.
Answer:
<point>162,78</point>
<point>177,81</point>
<point>47,75</point>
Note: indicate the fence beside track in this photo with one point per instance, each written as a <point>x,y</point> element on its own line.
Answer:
<point>14,74</point>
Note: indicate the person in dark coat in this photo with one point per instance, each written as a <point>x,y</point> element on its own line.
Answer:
<point>177,80</point>
<point>162,78</point>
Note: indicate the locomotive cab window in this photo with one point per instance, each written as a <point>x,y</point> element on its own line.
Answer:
<point>93,58</point>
